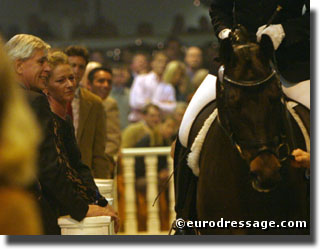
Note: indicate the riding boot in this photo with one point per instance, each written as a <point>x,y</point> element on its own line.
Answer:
<point>185,183</point>
<point>182,231</point>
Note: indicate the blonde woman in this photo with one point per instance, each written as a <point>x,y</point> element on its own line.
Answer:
<point>175,74</point>
<point>19,138</point>
<point>60,90</point>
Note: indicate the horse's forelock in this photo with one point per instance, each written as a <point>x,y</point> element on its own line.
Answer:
<point>249,65</point>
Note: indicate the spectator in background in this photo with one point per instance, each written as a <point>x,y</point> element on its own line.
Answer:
<point>179,112</point>
<point>90,66</point>
<point>148,133</point>
<point>151,131</point>
<point>89,118</point>
<point>135,132</point>
<point>120,77</point>
<point>126,56</point>
<point>19,139</point>
<point>211,57</point>
<point>198,78</point>
<point>175,74</point>
<point>193,60</point>
<point>100,83</point>
<point>173,49</point>
<point>140,64</point>
<point>150,88</point>
<point>166,130</point>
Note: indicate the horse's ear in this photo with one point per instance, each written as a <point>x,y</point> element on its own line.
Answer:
<point>266,47</point>
<point>226,51</point>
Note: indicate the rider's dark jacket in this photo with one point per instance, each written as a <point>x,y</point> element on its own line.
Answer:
<point>293,54</point>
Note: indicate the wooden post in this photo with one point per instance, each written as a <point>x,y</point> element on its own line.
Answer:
<point>153,221</point>
<point>150,154</point>
<point>130,224</point>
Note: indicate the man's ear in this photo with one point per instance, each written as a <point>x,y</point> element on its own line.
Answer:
<point>18,66</point>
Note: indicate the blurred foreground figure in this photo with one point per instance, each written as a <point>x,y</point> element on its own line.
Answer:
<point>19,138</point>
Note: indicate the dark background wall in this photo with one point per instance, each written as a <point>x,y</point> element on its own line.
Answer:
<point>61,15</point>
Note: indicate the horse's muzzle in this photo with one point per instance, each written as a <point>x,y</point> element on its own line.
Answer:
<point>265,172</point>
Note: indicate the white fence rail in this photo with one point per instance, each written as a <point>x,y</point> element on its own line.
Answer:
<point>100,225</point>
<point>153,220</point>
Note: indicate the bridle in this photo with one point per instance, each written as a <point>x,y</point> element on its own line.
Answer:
<point>282,144</point>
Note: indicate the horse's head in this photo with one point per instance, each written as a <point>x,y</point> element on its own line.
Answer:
<point>249,99</point>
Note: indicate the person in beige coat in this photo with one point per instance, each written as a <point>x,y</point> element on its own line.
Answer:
<point>88,118</point>
<point>91,134</point>
<point>99,82</point>
<point>113,126</point>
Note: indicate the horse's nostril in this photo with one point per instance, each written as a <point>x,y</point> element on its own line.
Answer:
<point>253,175</point>
<point>262,184</point>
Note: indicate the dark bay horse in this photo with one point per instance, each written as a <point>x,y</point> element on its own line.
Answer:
<point>245,172</point>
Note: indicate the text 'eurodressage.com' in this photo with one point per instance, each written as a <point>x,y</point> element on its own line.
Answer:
<point>264,225</point>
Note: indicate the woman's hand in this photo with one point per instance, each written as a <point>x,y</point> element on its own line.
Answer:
<point>95,210</point>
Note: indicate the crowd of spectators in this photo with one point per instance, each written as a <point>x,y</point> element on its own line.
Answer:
<point>151,93</point>
<point>99,106</point>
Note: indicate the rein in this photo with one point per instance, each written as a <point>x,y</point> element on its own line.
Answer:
<point>280,145</point>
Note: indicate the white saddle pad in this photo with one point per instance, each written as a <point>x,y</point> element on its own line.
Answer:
<point>299,92</point>
<point>204,94</point>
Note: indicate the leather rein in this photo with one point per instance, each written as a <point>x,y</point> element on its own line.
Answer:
<point>281,145</point>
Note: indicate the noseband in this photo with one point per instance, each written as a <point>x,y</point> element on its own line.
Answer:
<point>279,145</point>
<point>224,78</point>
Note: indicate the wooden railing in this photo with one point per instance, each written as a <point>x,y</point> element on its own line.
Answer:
<point>150,156</point>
